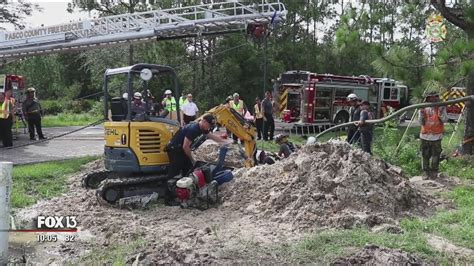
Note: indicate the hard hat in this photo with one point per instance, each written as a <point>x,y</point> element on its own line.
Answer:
<point>31,89</point>
<point>310,140</point>
<point>168,92</point>
<point>352,97</point>
<point>125,95</point>
<point>279,138</point>
<point>137,95</point>
<point>236,95</point>
<point>229,98</point>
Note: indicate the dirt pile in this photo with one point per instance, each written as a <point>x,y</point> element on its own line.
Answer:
<point>327,184</point>
<point>209,152</point>
<point>374,255</point>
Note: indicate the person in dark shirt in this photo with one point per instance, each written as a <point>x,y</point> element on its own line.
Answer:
<point>286,147</point>
<point>179,147</point>
<point>138,107</point>
<point>354,115</point>
<point>32,111</point>
<point>366,130</point>
<point>268,121</point>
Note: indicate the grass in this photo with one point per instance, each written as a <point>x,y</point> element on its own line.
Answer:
<point>66,119</point>
<point>116,254</point>
<point>456,225</point>
<point>43,180</point>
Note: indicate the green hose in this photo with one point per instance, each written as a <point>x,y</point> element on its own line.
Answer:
<point>410,107</point>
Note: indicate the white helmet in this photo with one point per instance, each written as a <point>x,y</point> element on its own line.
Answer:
<point>310,140</point>
<point>168,92</point>
<point>137,95</point>
<point>352,97</point>
<point>125,95</point>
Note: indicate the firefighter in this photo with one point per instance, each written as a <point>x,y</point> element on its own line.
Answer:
<point>7,111</point>
<point>366,130</point>
<point>258,117</point>
<point>286,147</point>
<point>138,107</point>
<point>353,133</point>
<point>179,147</point>
<point>183,99</point>
<point>32,110</point>
<point>268,120</point>
<point>238,105</point>
<point>432,121</point>
<point>169,104</point>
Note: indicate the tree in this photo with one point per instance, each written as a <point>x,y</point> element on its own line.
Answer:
<point>463,17</point>
<point>14,13</point>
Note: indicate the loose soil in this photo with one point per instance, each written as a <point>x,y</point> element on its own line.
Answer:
<point>374,255</point>
<point>323,185</point>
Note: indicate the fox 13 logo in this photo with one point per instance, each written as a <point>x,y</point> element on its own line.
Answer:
<point>56,222</point>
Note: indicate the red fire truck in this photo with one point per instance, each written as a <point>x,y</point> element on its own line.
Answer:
<point>15,83</point>
<point>310,98</point>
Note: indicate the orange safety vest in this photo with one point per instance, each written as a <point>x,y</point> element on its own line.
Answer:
<point>433,124</point>
<point>6,109</point>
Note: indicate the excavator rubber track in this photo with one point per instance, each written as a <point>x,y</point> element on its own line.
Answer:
<point>113,189</point>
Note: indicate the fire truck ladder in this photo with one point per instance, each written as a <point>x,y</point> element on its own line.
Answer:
<point>189,21</point>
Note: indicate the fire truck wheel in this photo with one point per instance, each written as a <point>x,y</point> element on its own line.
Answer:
<point>341,118</point>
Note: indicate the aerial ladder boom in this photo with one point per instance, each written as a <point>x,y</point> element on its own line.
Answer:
<point>190,21</point>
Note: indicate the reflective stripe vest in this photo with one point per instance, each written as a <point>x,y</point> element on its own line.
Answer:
<point>6,108</point>
<point>170,104</point>
<point>258,113</point>
<point>182,101</point>
<point>433,123</point>
<point>238,107</point>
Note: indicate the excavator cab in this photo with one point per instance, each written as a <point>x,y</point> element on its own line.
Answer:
<point>135,143</point>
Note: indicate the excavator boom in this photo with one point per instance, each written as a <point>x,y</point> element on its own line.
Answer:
<point>244,130</point>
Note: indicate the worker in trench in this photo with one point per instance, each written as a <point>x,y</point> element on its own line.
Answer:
<point>179,149</point>
<point>432,121</point>
<point>286,147</point>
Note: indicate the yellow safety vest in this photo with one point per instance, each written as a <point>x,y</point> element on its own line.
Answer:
<point>182,100</point>
<point>170,104</point>
<point>238,107</point>
<point>6,108</point>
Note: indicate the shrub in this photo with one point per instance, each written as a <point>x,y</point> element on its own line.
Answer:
<point>52,107</point>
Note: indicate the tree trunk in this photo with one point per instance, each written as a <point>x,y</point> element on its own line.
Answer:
<point>469,126</point>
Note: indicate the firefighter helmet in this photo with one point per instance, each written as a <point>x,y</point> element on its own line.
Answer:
<point>310,140</point>
<point>137,95</point>
<point>352,97</point>
<point>280,137</point>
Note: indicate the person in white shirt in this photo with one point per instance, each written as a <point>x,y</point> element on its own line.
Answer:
<point>189,110</point>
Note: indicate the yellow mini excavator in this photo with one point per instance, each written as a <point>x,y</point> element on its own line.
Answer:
<point>134,156</point>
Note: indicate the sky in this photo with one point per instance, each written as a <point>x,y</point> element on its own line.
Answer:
<point>53,12</point>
